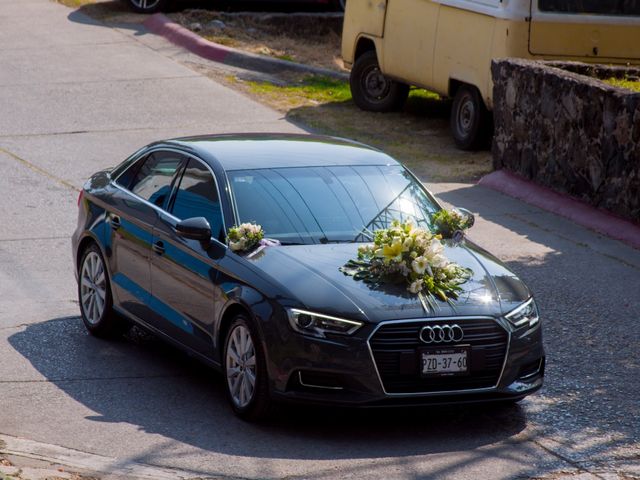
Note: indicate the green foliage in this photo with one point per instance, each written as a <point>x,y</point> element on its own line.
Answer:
<point>633,85</point>
<point>323,89</point>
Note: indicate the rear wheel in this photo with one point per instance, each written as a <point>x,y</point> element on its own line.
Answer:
<point>148,6</point>
<point>471,123</point>
<point>245,371</point>
<point>94,295</point>
<point>372,90</point>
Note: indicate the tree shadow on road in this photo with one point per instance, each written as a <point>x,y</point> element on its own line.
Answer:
<point>143,382</point>
<point>586,286</point>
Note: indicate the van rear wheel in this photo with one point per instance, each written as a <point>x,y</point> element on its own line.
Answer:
<point>372,90</point>
<point>471,123</point>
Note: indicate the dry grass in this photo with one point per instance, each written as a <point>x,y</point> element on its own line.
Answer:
<point>418,136</point>
<point>312,43</point>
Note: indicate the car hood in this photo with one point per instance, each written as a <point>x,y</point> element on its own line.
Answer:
<point>310,275</point>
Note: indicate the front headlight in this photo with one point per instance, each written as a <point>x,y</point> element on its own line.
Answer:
<point>319,325</point>
<point>525,314</point>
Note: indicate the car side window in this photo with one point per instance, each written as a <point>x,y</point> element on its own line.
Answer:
<point>154,178</point>
<point>197,196</point>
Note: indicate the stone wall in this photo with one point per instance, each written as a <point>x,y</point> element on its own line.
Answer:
<point>559,126</point>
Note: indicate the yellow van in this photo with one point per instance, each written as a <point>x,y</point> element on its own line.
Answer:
<point>447,45</point>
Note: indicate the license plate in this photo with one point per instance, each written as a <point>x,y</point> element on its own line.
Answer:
<point>445,361</point>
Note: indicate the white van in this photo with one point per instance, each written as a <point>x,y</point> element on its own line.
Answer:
<point>447,46</point>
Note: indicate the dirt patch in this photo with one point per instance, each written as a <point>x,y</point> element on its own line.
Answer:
<point>304,38</point>
<point>418,136</point>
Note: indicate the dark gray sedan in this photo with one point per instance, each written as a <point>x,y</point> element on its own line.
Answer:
<point>285,323</point>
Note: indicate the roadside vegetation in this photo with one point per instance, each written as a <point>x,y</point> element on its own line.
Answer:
<point>629,84</point>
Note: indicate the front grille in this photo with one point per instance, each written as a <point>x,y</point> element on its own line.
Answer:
<point>396,348</point>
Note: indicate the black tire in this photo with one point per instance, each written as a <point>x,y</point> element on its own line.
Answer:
<point>471,123</point>
<point>260,406</point>
<point>340,4</point>
<point>108,324</point>
<point>371,90</point>
<point>148,6</point>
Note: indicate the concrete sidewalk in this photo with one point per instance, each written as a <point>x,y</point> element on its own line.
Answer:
<point>76,97</point>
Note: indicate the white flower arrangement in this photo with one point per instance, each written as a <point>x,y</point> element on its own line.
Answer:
<point>451,224</point>
<point>414,256</point>
<point>245,237</point>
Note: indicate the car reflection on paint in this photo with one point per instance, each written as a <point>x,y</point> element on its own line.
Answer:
<point>286,324</point>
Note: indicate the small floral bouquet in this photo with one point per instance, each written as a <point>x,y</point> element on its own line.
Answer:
<point>245,237</point>
<point>451,224</point>
<point>413,256</point>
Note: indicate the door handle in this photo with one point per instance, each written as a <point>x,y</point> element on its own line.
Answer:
<point>115,222</point>
<point>158,247</point>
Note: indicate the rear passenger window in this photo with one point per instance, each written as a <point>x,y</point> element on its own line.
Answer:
<point>154,178</point>
<point>197,196</point>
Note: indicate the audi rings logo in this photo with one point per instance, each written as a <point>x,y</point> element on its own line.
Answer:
<point>441,334</point>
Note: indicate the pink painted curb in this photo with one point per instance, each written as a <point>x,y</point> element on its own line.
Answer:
<point>163,26</point>
<point>579,212</point>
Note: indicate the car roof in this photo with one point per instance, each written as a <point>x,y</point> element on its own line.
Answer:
<point>276,150</point>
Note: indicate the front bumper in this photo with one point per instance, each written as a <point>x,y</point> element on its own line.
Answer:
<point>346,370</point>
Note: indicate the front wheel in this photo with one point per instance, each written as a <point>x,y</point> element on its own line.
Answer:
<point>245,371</point>
<point>94,295</point>
<point>372,90</point>
<point>471,123</point>
<point>148,6</point>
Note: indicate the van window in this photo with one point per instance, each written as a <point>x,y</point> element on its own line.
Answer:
<point>596,7</point>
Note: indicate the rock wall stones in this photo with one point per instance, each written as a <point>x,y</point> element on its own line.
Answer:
<point>559,126</point>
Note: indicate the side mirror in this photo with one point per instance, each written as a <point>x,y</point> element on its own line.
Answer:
<point>469,217</point>
<point>196,228</point>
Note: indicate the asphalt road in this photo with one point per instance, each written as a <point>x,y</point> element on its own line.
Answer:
<point>75,97</point>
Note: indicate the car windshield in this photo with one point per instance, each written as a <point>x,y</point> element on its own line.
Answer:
<point>329,204</point>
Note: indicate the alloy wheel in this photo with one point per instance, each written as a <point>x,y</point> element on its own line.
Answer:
<point>93,288</point>
<point>241,366</point>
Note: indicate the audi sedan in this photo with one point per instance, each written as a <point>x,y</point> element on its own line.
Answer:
<point>284,323</point>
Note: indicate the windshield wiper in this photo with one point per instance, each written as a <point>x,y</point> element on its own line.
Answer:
<point>325,240</point>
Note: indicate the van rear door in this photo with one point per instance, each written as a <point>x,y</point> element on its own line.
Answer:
<point>588,29</point>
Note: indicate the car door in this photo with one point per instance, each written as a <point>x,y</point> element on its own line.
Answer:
<point>142,192</point>
<point>184,272</point>
<point>409,39</point>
